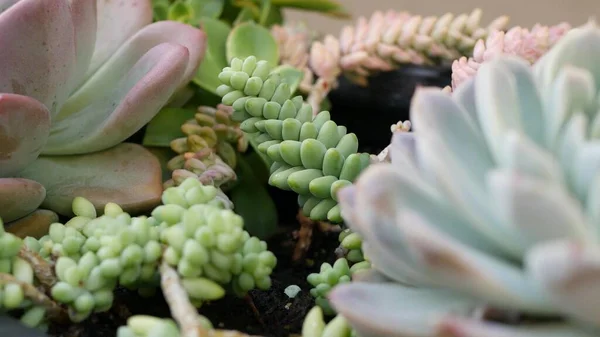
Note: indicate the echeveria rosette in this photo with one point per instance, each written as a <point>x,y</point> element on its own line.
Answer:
<point>312,156</point>
<point>85,77</point>
<point>491,201</point>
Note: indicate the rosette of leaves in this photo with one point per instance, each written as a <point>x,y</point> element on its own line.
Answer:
<point>488,208</point>
<point>312,156</point>
<point>71,92</point>
<point>314,325</point>
<point>210,148</point>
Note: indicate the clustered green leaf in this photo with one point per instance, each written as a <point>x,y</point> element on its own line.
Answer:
<point>351,244</point>
<point>312,156</point>
<point>192,231</point>
<point>328,277</point>
<point>12,294</point>
<point>149,326</point>
<point>204,240</point>
<point>314,325</point>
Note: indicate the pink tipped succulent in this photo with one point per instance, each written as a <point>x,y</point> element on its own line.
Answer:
<point>530,45</point>
<point>388,40</point>
<point>77,78</point>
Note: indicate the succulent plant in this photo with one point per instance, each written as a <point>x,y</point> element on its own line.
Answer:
<point>209,149</point>
<point>528,44</point>
<point>490,203</point>
<point>84,78</point>
<point>388,40</point>
<point>311,155</point>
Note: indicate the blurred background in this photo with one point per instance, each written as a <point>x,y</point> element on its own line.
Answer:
<point>523,13</point>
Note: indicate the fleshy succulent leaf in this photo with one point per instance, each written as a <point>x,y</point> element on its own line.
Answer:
<point>389,309</point>
<point>291,75</point>
<point>84,15</point>
<point>24,130</point>
<point>24,45</point>
<point>250,39</point>
<point>166,126</point>
<point>35,224</point>
<point>19,197</point>
<point>206,8</point>
<point>117,21</point>
<point>127,174</point>
<point>215,59</point>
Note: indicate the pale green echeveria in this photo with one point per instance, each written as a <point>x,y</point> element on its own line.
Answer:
<point>492,201</point>
<point>77,78</point>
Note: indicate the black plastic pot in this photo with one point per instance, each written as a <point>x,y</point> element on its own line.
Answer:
<point>369,111</point>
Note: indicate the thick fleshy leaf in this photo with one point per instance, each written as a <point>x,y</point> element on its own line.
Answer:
<point>573,91</point>
<point>291,75</point>
<point>37,59</point>
<point>580,47</point>
<point>36,224</point>
<point>520,154</point>
<point>538,210</point>
<point>120,62</point>
<point>215,59</point>
<point>108,112</point>
<point>249,38</point>
<point>393,310</point>
<point>19,197</point>
<point>433,111</point>
<point>497,102</point>
<point>206,8</point>
<point>465,196</point>
<point>461,327</point>
<point>126,174</point>
<point>453,265</point>
<point>24,129</point>
<point>569,272</point>
<point>117,21</point>
<point>84,15</point>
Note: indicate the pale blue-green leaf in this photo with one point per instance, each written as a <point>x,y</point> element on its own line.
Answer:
<point>540,210</point>
<point>434,112</point>
<point>453,265</point>
<point>569,273</point>
<point>393,310</point>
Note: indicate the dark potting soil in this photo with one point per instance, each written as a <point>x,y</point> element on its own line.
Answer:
<point>273,313</point>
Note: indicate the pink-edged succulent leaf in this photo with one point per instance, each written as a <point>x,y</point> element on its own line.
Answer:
<point>117,21</point>
<point>83,13</point>
<point>36,224</point>
<point>126,174</point>
<point>19,197</point>
<point>124,94</point>
<point>24,129</point>
<point>37,59</point>
<point>118,102</point>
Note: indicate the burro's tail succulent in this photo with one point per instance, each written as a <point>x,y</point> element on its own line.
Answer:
<point>312,156</point>
<point>77,78</point>
<point>492,202</point>
<point>530,45</point>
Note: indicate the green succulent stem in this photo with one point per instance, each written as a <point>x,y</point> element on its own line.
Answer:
<point>312,156</point>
